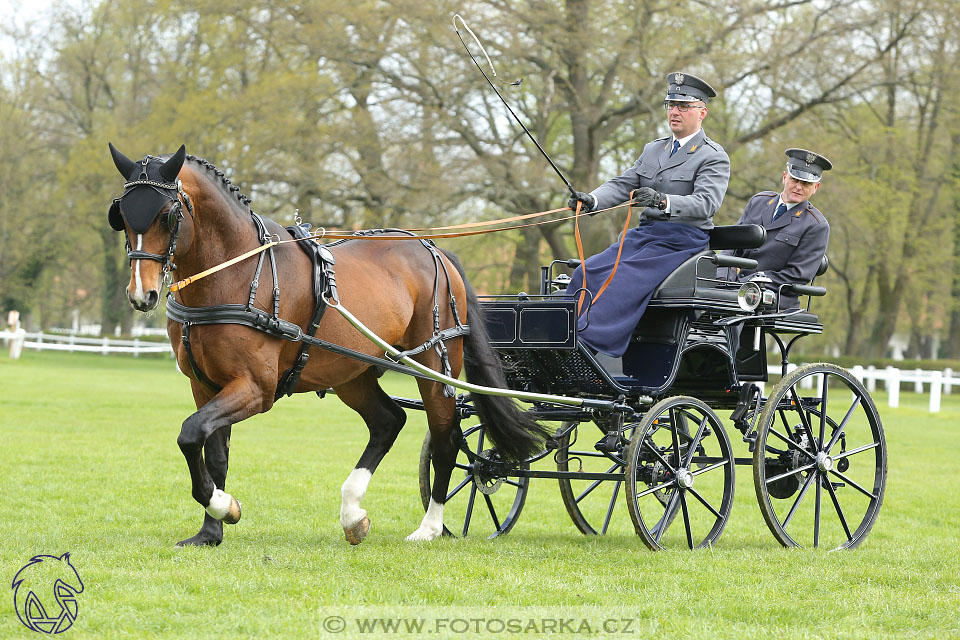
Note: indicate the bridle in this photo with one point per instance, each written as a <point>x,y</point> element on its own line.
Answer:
<point>174,193</point>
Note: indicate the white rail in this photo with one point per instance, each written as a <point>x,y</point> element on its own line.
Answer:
<point>936,383</point>
<point>41,341</point>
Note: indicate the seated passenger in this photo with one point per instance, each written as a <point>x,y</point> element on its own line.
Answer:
<point>680,180</point>
<point>797,232</point>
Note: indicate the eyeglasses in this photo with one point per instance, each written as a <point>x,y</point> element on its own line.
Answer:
<point>683,107</point>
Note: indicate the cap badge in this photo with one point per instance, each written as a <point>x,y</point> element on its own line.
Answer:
<point>810,157</point>
<point>679,78</point>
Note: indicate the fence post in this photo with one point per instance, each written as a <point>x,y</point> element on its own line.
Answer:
<point>936,380</point>
<point>947,380</point>
<point>918,383</point>
<point>857,371</point>
<point>893,387</point>
<point>106,346</point>
<point>16,344</point>
<point>871,376</point>
<point>136,347</point>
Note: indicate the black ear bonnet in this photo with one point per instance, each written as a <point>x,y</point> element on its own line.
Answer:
<point>150,185</point>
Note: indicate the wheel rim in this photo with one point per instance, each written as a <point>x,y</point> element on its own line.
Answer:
<point>594,506</point>
<point>680,476</point>
<point>820,463</point>
<point>479,501</point>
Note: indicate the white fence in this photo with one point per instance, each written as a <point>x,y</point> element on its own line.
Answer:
<point>936,383</point>
<point>20,339</point>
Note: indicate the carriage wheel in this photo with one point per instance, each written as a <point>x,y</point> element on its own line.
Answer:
<point>478,500</point>
<point>820,465</point>
<point>591,503</point>
<point>679,462</point>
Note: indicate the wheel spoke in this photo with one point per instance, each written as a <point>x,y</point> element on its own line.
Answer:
<point>673,433</point>
<point>853,484</point>
<point>613,502</point>
<point>816,511</point>
<point>456,489</point>
<point>789,473</point>
<point>716,465</point>
<point>823,411</point>
<point>493,511</point>
<point>667,517</point>
<point>470,502</point>
<point>836,505</point>
<point>649,443</point>
<point>866,447</point>
<point>696,441</point>
<point>796,503</point>
<point>843,424</point>
<point>791,443</point>
<point>696,494</point>
<point>594,485</point>
<point>659,487</point>
<point>461,465</point>
<point>804,416</point>
<point>686,518</point>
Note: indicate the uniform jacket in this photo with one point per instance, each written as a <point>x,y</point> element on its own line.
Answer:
<point>795,243</point>
<point>695,178</point>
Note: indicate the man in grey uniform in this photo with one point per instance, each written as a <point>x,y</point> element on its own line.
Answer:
<point>797,233</point>
<point>680,181</point>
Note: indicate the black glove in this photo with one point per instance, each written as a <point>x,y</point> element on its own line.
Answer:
<point>647,197</point>
<point>585,198</point>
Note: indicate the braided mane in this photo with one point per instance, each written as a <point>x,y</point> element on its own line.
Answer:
<point>231,188</point>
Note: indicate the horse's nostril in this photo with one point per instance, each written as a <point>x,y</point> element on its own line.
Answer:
<point>152,298</point>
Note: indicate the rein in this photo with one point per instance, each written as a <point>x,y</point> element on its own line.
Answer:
<point>371,234</point>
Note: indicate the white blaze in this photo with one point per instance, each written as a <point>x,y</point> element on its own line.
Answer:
<point>138,294</point>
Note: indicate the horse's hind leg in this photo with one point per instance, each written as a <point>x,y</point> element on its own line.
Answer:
<point>384,419</point>
<point>445,435</point>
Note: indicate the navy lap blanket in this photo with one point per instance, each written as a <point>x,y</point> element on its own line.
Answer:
<point>651,252</point>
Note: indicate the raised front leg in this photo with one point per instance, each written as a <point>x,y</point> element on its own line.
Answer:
<point>237,401</point>
<point>216,454</point>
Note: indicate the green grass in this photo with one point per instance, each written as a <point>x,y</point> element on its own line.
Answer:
<point>91,466</point>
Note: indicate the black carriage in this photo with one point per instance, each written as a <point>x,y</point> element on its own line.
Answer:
<point>654,438</point>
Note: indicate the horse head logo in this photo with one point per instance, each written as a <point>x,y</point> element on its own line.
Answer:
<point>45,593</point>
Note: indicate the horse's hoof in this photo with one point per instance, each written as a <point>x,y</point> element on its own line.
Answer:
<point>358,531</point>
<point>233,514</point>
<point>199,541</point>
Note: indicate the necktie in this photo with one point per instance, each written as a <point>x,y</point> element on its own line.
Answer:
<point>676,145</point>
<point>780,211</point>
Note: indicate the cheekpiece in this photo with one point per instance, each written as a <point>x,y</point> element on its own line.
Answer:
<point>806,165</point>
<point>683,87</point>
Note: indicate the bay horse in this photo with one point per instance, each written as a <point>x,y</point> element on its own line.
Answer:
<point>181,215</point>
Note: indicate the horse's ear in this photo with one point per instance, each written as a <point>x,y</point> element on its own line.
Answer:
<point>124,164</point>
<point>171,168</point>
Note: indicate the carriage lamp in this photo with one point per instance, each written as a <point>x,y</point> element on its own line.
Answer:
<point>749,296</point>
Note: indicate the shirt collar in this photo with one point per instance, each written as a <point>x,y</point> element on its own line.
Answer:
<point>790,207</point>
<point>684,141</point>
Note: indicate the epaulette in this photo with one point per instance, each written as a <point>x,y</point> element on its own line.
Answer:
<point>817,214</point>
<point>713,145</point>
<point>766,194</point>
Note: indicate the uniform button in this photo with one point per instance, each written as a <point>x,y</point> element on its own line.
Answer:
<point>659,178</point>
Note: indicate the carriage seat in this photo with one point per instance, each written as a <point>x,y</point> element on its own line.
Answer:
<point>696,277</point>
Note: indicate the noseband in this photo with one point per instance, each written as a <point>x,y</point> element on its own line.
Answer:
<point>175,194</point>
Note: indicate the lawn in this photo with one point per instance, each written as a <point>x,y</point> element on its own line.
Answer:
<point>91,466</point>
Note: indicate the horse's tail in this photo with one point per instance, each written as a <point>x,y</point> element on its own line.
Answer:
<point>515,433</point>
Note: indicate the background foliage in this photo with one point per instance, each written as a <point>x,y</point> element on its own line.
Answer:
<point>369,114</point>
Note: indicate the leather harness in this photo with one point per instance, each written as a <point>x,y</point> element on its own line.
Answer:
<point>324,288</point>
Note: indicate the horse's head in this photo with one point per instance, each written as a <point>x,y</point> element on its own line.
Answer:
<point>150,213</point>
